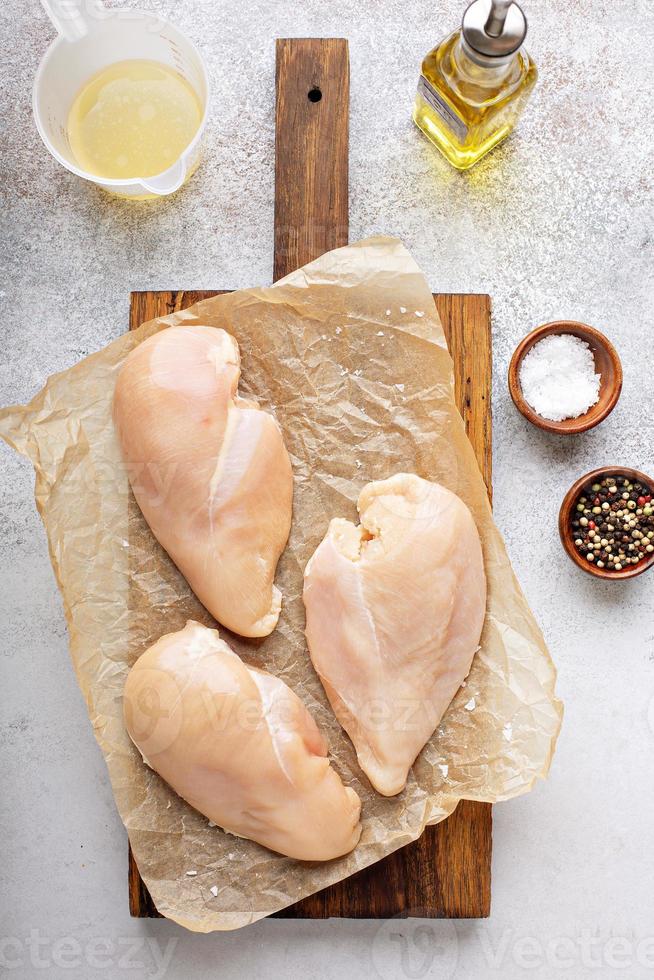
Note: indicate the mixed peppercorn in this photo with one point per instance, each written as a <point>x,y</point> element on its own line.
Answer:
<point>613,523</point>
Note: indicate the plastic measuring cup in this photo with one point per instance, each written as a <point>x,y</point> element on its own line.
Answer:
<point>91,37</point>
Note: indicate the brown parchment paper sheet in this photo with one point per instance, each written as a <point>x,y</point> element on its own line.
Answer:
<point>349,354</point>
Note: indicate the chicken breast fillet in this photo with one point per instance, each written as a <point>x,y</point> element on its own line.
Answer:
<point>209,470</point>
<point>395,608</point>
<point>239,746</point>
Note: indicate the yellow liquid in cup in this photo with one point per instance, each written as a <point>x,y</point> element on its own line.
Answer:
<point>133,119</point>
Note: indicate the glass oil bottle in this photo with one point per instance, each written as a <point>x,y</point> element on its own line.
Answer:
<point>475,83</point>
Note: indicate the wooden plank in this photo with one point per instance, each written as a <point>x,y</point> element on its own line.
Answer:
<point>466,321</point>
<point>311,150</point>
<point>447,872</point>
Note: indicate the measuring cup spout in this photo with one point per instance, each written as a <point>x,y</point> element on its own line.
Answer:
<point>167,182</point>
<point>71,17</point>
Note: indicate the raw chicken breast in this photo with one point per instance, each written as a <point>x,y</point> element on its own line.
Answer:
<point>239,746</point>
<point>209,470</point>
<point>395,609</point>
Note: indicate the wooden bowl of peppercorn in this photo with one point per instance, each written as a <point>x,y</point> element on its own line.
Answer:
<point>606,522</point>
<point>607,365</point>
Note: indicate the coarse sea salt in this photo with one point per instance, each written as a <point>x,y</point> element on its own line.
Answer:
<point>558,377</point>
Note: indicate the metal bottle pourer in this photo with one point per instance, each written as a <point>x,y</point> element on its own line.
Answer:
<point>494,29</point>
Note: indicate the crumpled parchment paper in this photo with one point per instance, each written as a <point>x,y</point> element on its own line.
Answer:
<point>349,354</point>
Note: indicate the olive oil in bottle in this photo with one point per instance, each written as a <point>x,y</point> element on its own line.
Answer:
<point>475,83</point>
<point>133,119</point>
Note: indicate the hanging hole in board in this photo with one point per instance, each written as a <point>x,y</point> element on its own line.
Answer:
<point>315,95</point>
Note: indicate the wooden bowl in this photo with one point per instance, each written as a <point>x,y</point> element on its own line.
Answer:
<point>607,364</point>
<point>565,517</point>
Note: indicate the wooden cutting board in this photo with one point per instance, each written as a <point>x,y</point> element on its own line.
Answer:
<point>447,872</point>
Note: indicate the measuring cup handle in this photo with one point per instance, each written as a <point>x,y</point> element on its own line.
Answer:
<point>72,18</point>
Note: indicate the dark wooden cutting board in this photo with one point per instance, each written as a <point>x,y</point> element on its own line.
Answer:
<point>447,872</point>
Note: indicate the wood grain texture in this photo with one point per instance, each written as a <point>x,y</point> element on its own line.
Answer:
<point>311,150</point>
<point>447,872</point>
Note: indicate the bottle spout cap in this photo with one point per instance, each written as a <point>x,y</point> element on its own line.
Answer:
<point>494,28</point>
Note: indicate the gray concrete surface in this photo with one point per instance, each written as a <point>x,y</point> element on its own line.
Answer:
<point>556,223</point>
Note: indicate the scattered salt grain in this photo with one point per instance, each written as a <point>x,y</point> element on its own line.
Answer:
<point>338,330</point>
<point>471,705</point>
<point>388,312</point>
<point>358,372</point>
<point>444,770</point>
<point>403,309</point>
<point>400,387</point>
<point>380,333</point>
<point>508,731</point>
<point>420,313</point>
<point>343,372</point>
<point>357,464</point>
<point>558,377</point>
<point>191,874</point>
<point>214,890</point>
